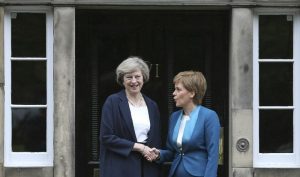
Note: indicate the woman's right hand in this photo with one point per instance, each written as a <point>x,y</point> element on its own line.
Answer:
<point>150,154</point>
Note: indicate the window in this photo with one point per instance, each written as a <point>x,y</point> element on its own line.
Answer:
<point>28,87</point>
<point>276,82</point>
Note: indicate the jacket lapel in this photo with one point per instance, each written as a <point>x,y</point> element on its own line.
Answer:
<point>125,113</point>
<point>174,131</point>
<point>196,129</point>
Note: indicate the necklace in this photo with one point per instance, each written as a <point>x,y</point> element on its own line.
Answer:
<point>137,102</point>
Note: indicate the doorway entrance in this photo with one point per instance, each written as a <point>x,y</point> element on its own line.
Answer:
<point>170,41</point>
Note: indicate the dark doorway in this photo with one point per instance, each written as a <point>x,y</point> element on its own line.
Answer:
<point>170,41</point>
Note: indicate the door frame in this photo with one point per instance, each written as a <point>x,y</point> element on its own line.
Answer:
<point>227,144</point>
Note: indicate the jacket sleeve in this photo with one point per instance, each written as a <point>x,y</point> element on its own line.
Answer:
<point>166,155</point>
<point>108,138</point>
<point>212,134</point>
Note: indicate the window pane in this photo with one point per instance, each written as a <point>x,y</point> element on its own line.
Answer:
<point>276,36</point>
<point>276,84</point>
<point>29,130</point>
<point>28,34</point>
<point>28,82</point>
<point>276,131</point>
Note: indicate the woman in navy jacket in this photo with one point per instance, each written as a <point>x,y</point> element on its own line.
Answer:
<point>130,125</point>
<point>193,138</point>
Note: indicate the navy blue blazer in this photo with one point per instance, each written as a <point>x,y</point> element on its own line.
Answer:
<point>199,155</point>
<point>117,138</point>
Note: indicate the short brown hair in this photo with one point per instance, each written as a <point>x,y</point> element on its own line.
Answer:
<point>193,81</point>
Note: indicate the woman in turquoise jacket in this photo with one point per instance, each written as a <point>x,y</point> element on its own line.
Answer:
<point>193,138</point>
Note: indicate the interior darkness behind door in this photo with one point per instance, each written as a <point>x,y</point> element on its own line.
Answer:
<point>170,42</point>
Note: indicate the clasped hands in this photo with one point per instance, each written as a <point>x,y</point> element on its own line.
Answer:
<point>150,154</point>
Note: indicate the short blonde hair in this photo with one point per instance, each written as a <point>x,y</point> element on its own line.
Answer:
<point>132,64</point>
<point>193,81</point>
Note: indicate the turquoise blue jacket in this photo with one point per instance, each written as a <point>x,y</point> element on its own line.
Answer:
<point>200,153</point>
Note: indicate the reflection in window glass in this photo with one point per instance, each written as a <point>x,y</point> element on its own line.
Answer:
<point>29,130</point>
<point>275,37</point>
<point>28,35</point>
<point>276,84</point>
<point>276,131</point>
<point>28,82</point>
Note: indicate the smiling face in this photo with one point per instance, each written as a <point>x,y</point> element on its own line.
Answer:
<point>133,82</point>
<point>182,97</point>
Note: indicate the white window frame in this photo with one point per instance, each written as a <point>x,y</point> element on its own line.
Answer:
<point>28,159</point>
<point>277,160</point>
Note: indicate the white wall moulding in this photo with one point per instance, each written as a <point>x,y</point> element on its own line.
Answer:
<point>64,95</point>
<point>242,172</point>
<point>1,90</point>
<point>254,3</point>
<point>28,172</point>
<point>276,172</point>
<point>1,46</point>
<point>1,127</point>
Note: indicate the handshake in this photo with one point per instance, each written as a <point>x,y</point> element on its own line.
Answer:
<point>150,154</point>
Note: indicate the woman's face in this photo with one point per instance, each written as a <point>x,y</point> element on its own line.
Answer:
<point>133,82</point>
<point>182,96</point>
